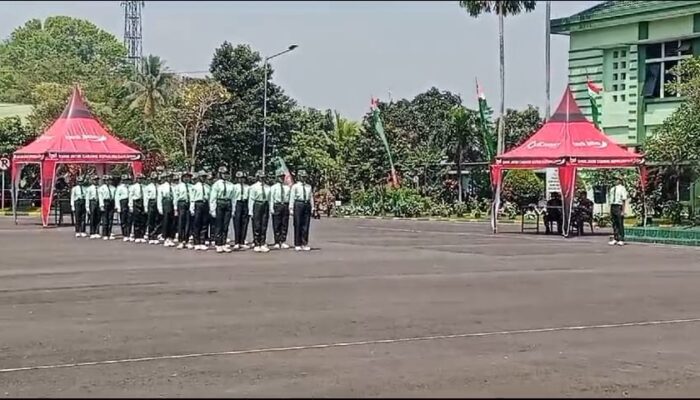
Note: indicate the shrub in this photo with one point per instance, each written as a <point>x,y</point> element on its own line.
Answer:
<point>522,187</point>
<point>673,210</point>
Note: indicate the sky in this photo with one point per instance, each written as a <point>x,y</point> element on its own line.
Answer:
<point>348,51</point>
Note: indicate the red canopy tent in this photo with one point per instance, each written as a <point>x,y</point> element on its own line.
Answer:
<point>567,141</point>
<point>76,137</point>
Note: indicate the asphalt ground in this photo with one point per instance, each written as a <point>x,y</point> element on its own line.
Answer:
<point>377,309</point>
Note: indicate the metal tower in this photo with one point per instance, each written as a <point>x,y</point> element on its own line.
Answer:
<point>132,31</point>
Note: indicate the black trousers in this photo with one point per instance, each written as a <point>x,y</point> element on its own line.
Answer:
<point>240,222</point>
<point>152,219</point>
<point>107,218</point>
<point>125,217</point>
<point>223,218</point>
<point>261,216</point>
<point>618,222</point>
<point>183,221</point>
<point>198,222</point>
<point>302,220</point>
<point>95,216</point>
<point>168,219</point>
<point>280,221</point>
<point>138,217</point>
<point>80,216</point>
<point>206,222</point>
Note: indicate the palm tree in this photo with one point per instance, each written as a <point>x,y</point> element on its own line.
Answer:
<point>503,8</point>
<point>150,88</point>
<point>465,125</point>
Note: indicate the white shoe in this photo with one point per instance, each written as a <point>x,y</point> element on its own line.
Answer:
<point>77,235</point>
<point>160,237</point>
<point>256,249</point>
<point>620,243</point>
<point>306,248</point>
<point>298,248</point>
<point>285,246</point>
<point>228,241</point>
<point>111,237</point>
<point>154,241</point>
<point>219,249</point>
<point>126,239</point>
<point>276,246</point>
<point>83,234</point>
<point>245,247</point>
<point>612,242</point>
<point>236,247</point>
<point>180,246</point>
<point>227,248</point>
<point>190,246</point>
<point>264,249</point>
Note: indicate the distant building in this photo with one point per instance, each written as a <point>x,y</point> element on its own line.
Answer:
<point>628,48</point>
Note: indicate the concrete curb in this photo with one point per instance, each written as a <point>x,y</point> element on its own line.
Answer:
<point>434,219</point>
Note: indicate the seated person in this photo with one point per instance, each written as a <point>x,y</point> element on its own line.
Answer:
<point>583,212</point>
<point>554,213</point>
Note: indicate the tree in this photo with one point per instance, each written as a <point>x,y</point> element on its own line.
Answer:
<point>522,187</point>
<point>13,135</point>
<point>466,139</point>
<point>61,50</point>
<point>503,8</point>
<point>520,125</point>
<point>197,99</point>
<point>234,136</point>
<point>151,87</point>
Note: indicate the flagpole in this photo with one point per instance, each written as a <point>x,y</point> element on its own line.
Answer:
<point>547,58</point>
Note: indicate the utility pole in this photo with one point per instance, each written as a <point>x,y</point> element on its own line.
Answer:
<point>132,32</point>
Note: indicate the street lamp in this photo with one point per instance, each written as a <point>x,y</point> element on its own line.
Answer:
<point>267,59</point>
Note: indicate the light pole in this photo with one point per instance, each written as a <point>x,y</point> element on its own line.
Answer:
<point>267,59</point>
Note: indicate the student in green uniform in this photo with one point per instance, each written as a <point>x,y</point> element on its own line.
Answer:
<point>77,205</point>
<point>182,199</point>
<point>198,209</point>
<point>259,209</point>
<point>240,211</point>
<point>137,209</point>
<point>93,209</point>
<point>105,195</point>
<point>150,199</point>
<point>121,201</point>
<point>279,208</point>
<point>208,221</point>
<point>220,208</point>
<point>301,205</point>
<point>166,209</point>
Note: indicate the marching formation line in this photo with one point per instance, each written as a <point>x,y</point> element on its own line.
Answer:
<point>352,344</point>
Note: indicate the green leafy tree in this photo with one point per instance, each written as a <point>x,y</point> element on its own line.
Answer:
<point>13,135</point>
<point>151,87</point>
<point>234,136</point>
<point>465,141</point>
<point>61,50</point>
<point>522,187</point>
<point>520,125</point>
<point>503,8</point>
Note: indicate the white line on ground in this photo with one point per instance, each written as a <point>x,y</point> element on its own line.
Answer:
<point>351,344</point>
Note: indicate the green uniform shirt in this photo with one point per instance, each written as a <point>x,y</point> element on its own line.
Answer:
<point>183,192</point>
<point>279,193</point>
<point>207,191</point>
<point>300,191</point>
<point>105,192</point>
<point>241,192</point>
<point>136,193</point>
<point>196,194</point>
<point>258,192</point>
<point>91,193</point>
<point>165,191</point>
<point>122,194</point>
<point>220,190</point>
<point>77,193</point>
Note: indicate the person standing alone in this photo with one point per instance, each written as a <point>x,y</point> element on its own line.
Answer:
<point>77,205</point>
<point>105,195</point>
<point>279,208</point>
<point>618,197</point>
<point>121,201</point>
<point>301,205</point>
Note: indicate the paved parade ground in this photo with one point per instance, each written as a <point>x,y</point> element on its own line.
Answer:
<point>378,308</point>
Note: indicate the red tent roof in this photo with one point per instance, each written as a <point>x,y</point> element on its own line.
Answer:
<point>77,136</point>
<point>568,138</point>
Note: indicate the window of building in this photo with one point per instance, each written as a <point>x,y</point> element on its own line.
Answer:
<point>661,58</point>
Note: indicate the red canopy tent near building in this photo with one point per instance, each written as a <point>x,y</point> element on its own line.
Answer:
<point>76,137</point>
<point>567,141</point>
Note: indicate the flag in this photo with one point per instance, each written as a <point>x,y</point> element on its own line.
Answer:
<point>593,91</point>
<point>287,176</point>
<point>379,127</point>
<point>486,133</point>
